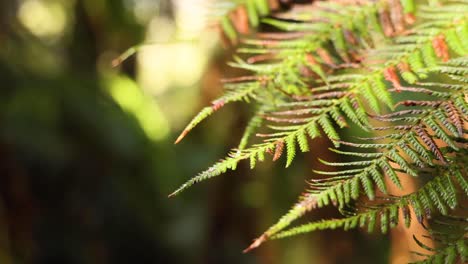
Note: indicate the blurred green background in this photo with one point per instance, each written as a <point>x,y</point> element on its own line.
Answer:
<point>86,149</point>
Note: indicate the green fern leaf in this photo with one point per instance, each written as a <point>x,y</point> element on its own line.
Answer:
<point>390,173</point>
<point>437,200</point>
<point>368,187</point>
<point>381,91</point>
<point>290,149</point>
<point>329,130</point>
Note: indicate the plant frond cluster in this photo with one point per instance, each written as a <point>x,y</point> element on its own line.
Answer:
<point>449,233</point>
<point>395,69</point>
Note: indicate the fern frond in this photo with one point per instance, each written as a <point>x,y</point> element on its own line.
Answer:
<point>238,17</point>
<point>386,213</point>
<point>372,169</point>
<point>255,122</point>
<point>345,63</point>
<point>241,93</point>
<point>448,254</point>
<point>452,244</point>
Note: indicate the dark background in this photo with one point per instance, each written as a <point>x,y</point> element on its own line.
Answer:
<point>86,152</point>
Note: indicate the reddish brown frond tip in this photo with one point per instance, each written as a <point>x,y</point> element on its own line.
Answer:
<point>278,150</point>
<point>257,242</point>
<point>182,135</point>
<point>116,62</point>
<point>441,48</point>
<point>391,76</point>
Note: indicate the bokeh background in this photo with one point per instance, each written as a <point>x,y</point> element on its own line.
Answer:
<point>86,149</point>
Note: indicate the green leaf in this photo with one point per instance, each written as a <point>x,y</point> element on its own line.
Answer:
<point>378,179</point>
<point>252,13</point>
<point>368,187</point>
<point>372,218</point>
<point>395,156</point>
<point>367,92</point>
<point>384,221</point>
<point>461,180</point>
<point>302,140</point>
<point>381,91</point>
<point>390,173</point>
<point>437,200</point>
<point>408,6</point>
<point>329,130</point>
<point>290,149</point>
<point>228,28</point>
<point>262,7</point>
<point>351,113</point>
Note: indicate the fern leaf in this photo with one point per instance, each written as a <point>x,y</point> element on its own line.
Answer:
<point>455,43</point>
<point>278,149</point>
<point>429,56</point>
<point>447,191</point>
<point>243,91</point>
<point>406,215</point>
<point>381,91</point>
<point>252,13</point>
<point>454,117</point>
<point>215,170</point>
<point>426,202</point>
<point>329,130</point>
<point>402,163</point>
<point>290,149</point>
<point>452,243</point>
<point>379,180</point>
<point>439,131</point>
<point>390,173</point>
<point>387,213</point>
<point>393,216</point>
<point>368,187</point>
<point>302,141</point>
<point>416,63</point>
<point>384,222</point>
<point>228,29</point>
<point>352,114</point>
<point>417,209</point>
<point>461,180</point>
<point>368,94</point>
<point>430,143</point>
<point>434,195</point>
<point>339,59</point>
<point>254,123</point>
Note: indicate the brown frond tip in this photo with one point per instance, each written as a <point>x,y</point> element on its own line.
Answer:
<point>386,22</point>
<point>396,15</point>
<point>116,62</point>
<point>308,201</point>
<point>441,48</point>
<point>278,150</point>
<point>310,59</point>
<point>391,76</point>
<point>410,18</point>
<point>257,242</point>
<point>181,136</point>
<point>240,20</point>
<point>216,105</point>
<point>350,37</point>
<point>325,56</point>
